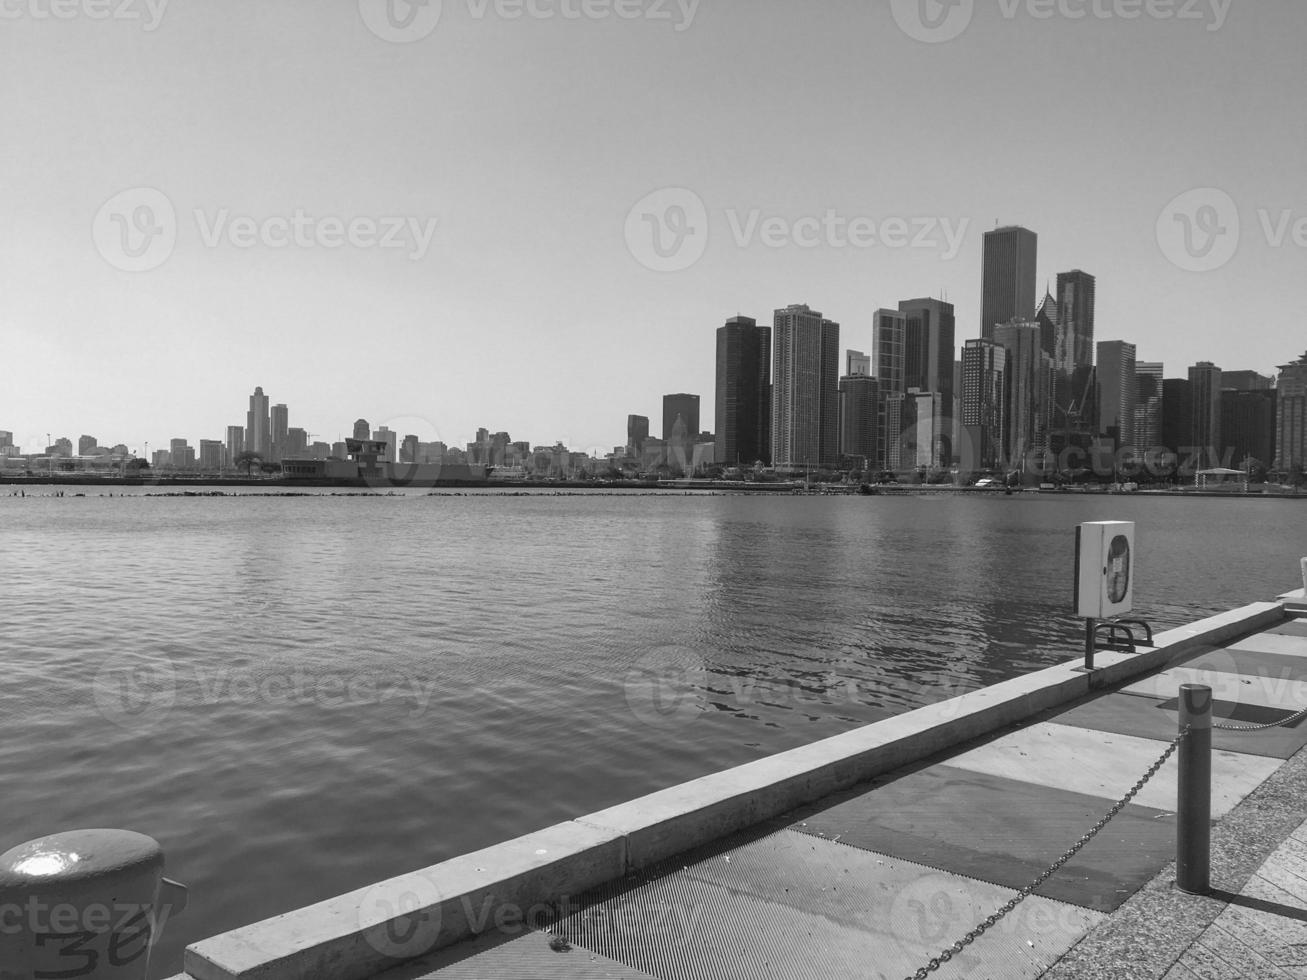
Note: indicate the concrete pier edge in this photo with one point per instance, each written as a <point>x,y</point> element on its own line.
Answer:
<point>347,937</point>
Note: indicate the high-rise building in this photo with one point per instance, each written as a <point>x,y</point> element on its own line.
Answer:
<point>680,426</point>
<point>258,426</point>
<point>1046,317</point>
<point>930,339</point>
<point>1246,381</point>
<point>362,430</point>
<point>1291,416</point>
<point>924,443</point>
<point>743,397</point>
<point>890,334</point>
<point>296,445</point>
<point>408,449</point>
<point>857,364</point>
<point>805,390</point>
<point>181,454</point>
<point>859,420</point>
<point>984,385</point>
<point>235,443</point>
<point>1248,426</point>
<point>391,439</point>
<point>637,433</point>
<point>211,451</point>
<point>86,445</point>
<point>1205,394</point>
<point>1177,415</point>
<point>1073,354</point>
<point>1148,409</point>
<point>1008,287</point>
<point>1026,381</point>
<point>280,427</point>
<point>1117,392</point>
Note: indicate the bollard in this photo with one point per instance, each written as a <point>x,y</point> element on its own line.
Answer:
<point>1304,578</point>
<point>1193,834</point>
<point>84,905</point>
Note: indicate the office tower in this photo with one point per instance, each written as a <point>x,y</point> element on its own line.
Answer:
<point>1008,287</point>
<point>1026,375</point>
<point>1246,381</point>
<point>258,426</point>
<point>1148,409</point>
<point>1046,317</point>
<point>1117,392</point>
<point>235,443</point>
<point>984,365</point>
<point>743,397</point>
<point>362,430</point>
<point>1073,354</point>
<point>890,355</point>
<point>637,433</point>
<point>6,440</point>
<point>296,444</point>
<point>924,442</point>
<point>280,426</point>
<point>1177,415</point>
<point>805,390</point>
<point>857,364</point>
<point>1248,426</point>
<point>930,339</point>
<point>86,445</point>
<point>1291,416</point>
<point>408,449</point>
<point>859,414</point>
<point>1205,393</point>
<point>680,426</point>
<point>392,443</point>
<point>211,451</point>
<point>181,455</point>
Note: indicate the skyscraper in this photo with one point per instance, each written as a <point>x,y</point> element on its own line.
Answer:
<point>1246,381</point>
<point>1205,394</point>
<point>984,382</point>
<point>280,426</point>
<point>1025,429</point>
<point>362,430</point>
<point>680,429</point>
<point>258,430</point>
<point>1073,355</point>
<point>1248,425</point>
<point>805,390</point>
<point>1118,392</point>
<point>637,433</point>
<point>743,419</point>
<point>1148,409</point>
<point>235,444</point>
<point>1177,416</point>
<point>1008,288</point>
<point>1047,317</point>
<point>1291,416</point>
<point>859,420</point>
<point>930,339</point>
<point>858,365</point>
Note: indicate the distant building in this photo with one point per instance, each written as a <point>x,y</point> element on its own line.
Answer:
<point>984,421</point>
<point>258,426</point>
<point>637,432</point>
<point>211,452</point>
<point>1026,389</point>
<point>408,449</point>
<point>1117,392</point>
<point>744,392</point>
<point>1073,355</point>
<point>1046,317</point>
<point>384,435</point>
<point>1248,425</point>
<point>235,444</point>
<point>857,365</point>
<point>1008,284</point>
<point>1291,416</point>
<point>86,446</point>
<point>805,390</point>
<point>1177,415</point>
<point>296,444</point>
<point>362,431</point>
<point>1246,381</point>
<point>924,442</point>
<point>160,459</point>
<point>890,353</point>
<point>1205,394</point>
<point>6,440</point>
<point>280,428</point>
<point>929,346</point>
<point>1148,407</point>
<point>680,426</point>
<point>859,418</point>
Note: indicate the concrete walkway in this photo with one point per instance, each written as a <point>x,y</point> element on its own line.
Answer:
<point>874,882</point>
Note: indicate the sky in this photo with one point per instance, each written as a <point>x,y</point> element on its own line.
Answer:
<point>532,215</point>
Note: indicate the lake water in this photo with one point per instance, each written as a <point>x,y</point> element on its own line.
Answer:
<point>301,696</point>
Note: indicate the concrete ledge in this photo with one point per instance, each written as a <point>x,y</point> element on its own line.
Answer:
<point>357,935</point>
<point>1295,601</point>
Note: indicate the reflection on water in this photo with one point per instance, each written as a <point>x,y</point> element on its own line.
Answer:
<point>298,697</point>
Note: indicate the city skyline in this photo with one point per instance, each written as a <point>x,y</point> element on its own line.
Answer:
<point>529,272</point>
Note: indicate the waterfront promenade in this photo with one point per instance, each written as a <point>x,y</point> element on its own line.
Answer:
<point>874,878</point>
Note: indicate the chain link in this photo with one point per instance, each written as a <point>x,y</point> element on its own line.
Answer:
<point>1245,729</point>
<point>1056,866</point>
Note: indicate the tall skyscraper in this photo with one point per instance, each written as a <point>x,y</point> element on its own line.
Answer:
<point>890,333</point>
<point>280,426</point>
<point>858,365</point>
<point>391,439</point>
<point>235,443</point>
<point>1205,393</point>
<point>924,442</point>
<point>930,346</point>
<point>1026,377</point>
<point>362,430</point>
<point>1073,355</point>
<point>1047,318</point>
<point>1246,381</point>
<point>984,382</point>
<point>1148,409</point>
<point>1248,425</point>
<point>680,429</point>
<point>1008,288</point>
<point>86,445</point>
<point>1291,416</point>
<point>1118,392</point>
<point>859,420</point>
<point>258,428</point>
<point>637,434</point>
<point>743,419</point>
<point>805,390</point>
<point>1177,416</point>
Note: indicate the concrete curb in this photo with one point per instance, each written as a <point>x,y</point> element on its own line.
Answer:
<point>360,934</point>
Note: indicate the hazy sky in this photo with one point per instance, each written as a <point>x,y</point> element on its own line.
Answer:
<point>253,157</point>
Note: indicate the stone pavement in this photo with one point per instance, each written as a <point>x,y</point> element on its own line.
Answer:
<point>874,882</point>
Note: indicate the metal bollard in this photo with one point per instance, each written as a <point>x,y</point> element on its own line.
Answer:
<point>84,905</point>
<point>1193,833</point>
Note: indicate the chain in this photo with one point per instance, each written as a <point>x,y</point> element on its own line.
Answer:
<point>1071,852</point>
<point>1245,729</point>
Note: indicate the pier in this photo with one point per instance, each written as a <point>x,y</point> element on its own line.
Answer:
<point>869,853</point>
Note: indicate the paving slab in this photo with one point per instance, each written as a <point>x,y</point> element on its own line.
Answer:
<point>1286,666</point>
<point>523,957</point>
<point>1282,643</point>
<point>1004,831</point>
<point>1106,764</point>
<point>1294,627</point>
<point>1145,717</point>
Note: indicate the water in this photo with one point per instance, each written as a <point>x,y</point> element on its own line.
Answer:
<point>333,690</point>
